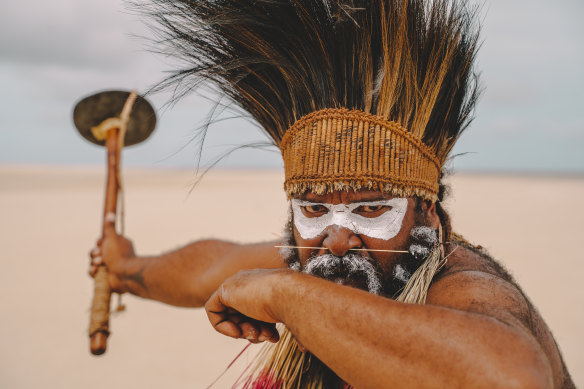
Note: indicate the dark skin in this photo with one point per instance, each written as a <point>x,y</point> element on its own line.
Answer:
<point>476,329</point>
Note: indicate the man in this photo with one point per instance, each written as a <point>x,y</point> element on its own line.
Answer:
<point>365,99</point>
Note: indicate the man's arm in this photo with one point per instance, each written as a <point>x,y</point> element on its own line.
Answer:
<point>371,341</point>
<point>183,277</point>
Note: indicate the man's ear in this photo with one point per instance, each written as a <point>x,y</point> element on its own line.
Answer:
<point>428,208</point>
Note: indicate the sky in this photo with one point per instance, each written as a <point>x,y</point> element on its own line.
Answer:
<point>52,54</point>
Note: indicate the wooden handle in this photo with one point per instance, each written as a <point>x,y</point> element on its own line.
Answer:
<point>100,307</point>
<point>100,310</point>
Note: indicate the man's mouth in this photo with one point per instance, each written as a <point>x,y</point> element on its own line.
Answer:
<point>351,270</point>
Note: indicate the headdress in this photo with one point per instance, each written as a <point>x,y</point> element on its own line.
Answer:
<point>356,93</point>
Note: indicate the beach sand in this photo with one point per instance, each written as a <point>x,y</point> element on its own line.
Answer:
<point>50,218</point>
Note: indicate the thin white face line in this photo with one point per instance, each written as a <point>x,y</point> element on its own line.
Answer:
<point>385,226</point>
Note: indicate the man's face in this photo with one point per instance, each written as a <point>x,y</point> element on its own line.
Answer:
<point>352,237</point>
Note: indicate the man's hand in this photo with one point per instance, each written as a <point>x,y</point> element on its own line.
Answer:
<point>242,307</point>
<point>111,250</point>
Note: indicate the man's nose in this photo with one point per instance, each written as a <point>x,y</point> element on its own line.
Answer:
<point>339,240</point>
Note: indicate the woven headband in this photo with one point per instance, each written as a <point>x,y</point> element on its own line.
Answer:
<point>341,149</point>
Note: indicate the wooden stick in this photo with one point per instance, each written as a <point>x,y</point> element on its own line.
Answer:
<point>100,306</point>
<point>318,248</point>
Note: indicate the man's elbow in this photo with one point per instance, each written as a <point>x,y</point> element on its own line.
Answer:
<point>528,371</point>
<point>530,379</point>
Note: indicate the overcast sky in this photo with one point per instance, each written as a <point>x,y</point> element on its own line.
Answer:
<point>53,53</point>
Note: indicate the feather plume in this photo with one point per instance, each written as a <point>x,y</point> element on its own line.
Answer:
<point>408,61</point>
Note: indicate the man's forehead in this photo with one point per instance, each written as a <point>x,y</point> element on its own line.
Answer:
<point>337,197</point>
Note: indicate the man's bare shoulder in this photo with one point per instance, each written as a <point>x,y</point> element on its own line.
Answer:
<point>474,282</point>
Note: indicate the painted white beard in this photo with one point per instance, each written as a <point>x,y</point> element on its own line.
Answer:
<point>401,274</point>
<point>426,239</point>
<point>347,267</point>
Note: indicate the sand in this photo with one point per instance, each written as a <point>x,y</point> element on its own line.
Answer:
<point>50,218</point>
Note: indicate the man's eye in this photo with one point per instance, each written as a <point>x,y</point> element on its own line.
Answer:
<point>314,210</point>
<point>372,210</point>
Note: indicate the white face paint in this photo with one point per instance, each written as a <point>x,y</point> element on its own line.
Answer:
<point>385,226</point>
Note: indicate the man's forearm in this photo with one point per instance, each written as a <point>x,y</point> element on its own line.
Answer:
<point>372,341</point>
<point>176,277</point>
<point>189,275</point>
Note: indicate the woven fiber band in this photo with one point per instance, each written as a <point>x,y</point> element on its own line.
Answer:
<point>341,149</point>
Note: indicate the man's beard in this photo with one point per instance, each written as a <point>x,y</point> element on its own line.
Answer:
<point>350,268</point>
<point>357,270</point>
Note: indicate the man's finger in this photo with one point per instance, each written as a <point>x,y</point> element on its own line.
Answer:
<point>227,320</point>
<point>269,332</point>
<point>216,311</point>
<point>228,328</point>
<point>215,306</point>
<point>249,330</point>
<point>223,324</point>
<point>96,261</point>
<point>234,316</point>
<point>95,252</point>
